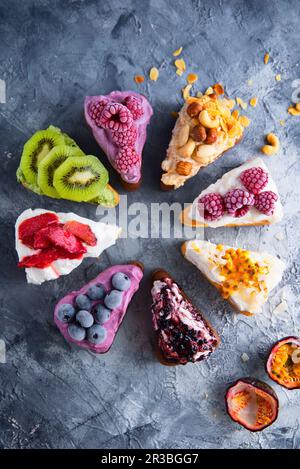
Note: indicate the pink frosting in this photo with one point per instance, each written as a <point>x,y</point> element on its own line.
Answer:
<point>112,325</point>
<point>103,136</point>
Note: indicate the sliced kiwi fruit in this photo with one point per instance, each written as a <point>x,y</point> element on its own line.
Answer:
<point>50,163</point>
<point>35,150</point>
<point>108,197</point>
<point>80,178</point>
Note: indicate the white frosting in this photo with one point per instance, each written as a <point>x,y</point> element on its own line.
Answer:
<point>231,180</point>
<point>106,236</point>
<point>245,298</point>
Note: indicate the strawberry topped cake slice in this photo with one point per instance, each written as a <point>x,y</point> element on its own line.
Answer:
<point>246,195</point>
<point>244,278</point>
<point>52,244</point>
<point>204,130</point>
<point>118,122</point>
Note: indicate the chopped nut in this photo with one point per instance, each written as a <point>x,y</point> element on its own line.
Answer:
<point>177,52</point>
<point>186,91</point>
<point>278,77</point>
<point>198,133</point>
<point>266,58</point>
<point>253,101</point>
<point>192,77</point>
<point>179,72</point>
<point>218,89</point>
<point>241,103</point>
<point>154,73</point>
<point>184,168</point>
<point>244,121</point>
<point>193,109</point>
<point>139,79</point>
<point>230,103</point>
<point>212,136</point>
<point>180,64</point>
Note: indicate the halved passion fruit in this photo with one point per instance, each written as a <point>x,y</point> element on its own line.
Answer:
<point>283,364</point>
<point>252,403</point>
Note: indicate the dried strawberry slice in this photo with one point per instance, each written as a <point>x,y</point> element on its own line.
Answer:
<point>81,231</point>
<point>45,257</point>
<point>29,227</point>
<point>57,236</point>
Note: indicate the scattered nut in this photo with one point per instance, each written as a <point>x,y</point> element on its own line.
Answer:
<point>194,109</point>
<point>209,90</point>
<point>205,119</point>
<point>212,136</point>
<point>213,96</point>
<point>278,77</point>
<point>294,111</point>
<point>180,63</point>
<point>244,121</point>
<point>198,133</point>
<point>273,146</point>
<point>184,168</point>
<point>218,88</point>
<point>183,135</point>
<point>266,58</point>
<point>203,153</point>
<point>253,101</point>
<point>154,73</point>
<point>186,150</point>
<point>177,52</point>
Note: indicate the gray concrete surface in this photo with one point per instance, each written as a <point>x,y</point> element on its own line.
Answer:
<point>52,54</point>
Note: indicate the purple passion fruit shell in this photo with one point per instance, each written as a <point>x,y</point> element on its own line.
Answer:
<point>252,403</point>
<point>283,363</point>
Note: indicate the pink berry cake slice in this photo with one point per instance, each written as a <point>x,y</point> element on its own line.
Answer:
<point>246,195</point>
<point>91,316</point>
<point>183,334</point>
<point>119,121</point>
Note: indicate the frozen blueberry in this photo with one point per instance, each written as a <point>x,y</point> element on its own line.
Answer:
<point>96,292</point>
<point>113,299</point>
<point>84,318</point>
<point>65,312</point>
<point>96,334</point>
<point>76,332</point>
<point>83,302</point>
<point>102,314</point>
<point>121,281</point>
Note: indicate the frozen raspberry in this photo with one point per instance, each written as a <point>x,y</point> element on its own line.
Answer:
<point>116,117</point>
<point>254,179</point>
<point>95,110</point>
<point>134,104</point>
<point>127,138</point>
<point>127,157</point>
<point>213,206</point>
<point>238,201</point>
<point>265,202</point>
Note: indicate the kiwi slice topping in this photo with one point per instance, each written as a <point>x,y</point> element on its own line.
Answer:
<point>35,150</point>
<point>108,197</point>
<point>50,163</point>
<point>80,178</point>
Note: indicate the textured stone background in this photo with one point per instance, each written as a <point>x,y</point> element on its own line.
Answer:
<point>52,54</point>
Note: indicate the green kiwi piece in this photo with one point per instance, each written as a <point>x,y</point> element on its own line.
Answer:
<point>80,178</point>
<point>50,163</point>
<point>35,150</point>
<point>107,198</point>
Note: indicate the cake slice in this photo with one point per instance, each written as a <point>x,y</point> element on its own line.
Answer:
<point>119,121</point>
<point>244,278</point>
<point>91,316</point>
<point>246,195</point>
<point>204,130</point>
<point>52,244</point>
<point>183,334</point>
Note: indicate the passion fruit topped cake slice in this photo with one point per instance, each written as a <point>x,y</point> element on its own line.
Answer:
<point>244,196</point>
<point>204,130</point>
<point>283,364</point>
<point>244,278</point>
<point>52,244</point>
<point>183,334</point>
<point>252,403</point>
<point>119,121</point>
<point>92,316</point>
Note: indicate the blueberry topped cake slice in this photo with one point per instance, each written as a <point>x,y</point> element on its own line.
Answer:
<point>183,334</point>
<point>204,130</point>
<point>246,195</point>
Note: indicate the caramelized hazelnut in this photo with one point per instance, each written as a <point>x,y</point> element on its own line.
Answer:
<point>212,136</point>
<point>213,96</point>
<point>193,109</point>
<point>198,133</point>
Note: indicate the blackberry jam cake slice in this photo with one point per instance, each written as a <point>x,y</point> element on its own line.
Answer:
<point>244,278</point>
<point>183,334</point>
<point>244,196</point>
<point>119,123</point>
<point>204,130</point>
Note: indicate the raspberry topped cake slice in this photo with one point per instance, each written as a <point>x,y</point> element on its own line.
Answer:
<point>244,278</point>
<point>204,130</point>
<point>119,121</point>
<point>183,334</point>
<point>246,195</point>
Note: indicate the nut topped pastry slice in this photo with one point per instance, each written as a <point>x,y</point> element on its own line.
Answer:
<point>204,130</point>
<point>244,278</point>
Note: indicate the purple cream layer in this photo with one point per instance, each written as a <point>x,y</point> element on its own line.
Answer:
<point>112,325</point>
<point>103,136</point>
<point>183,334</point>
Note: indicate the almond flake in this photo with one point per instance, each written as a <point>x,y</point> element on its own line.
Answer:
<point>154,73</point>
<point>241,103</point>
<point>186,91</point>
<point>245,357</point>
<point>209,90</point>
<point>199,94</point>
<point>278,77</point>
<point>177,52</point>
<point>281,308</point>
<point>192,77</point>
<point>179,72</point>
<point>180,64</point>
<point>244,121</point>
<point>253,101</point>
<point>139,79</point>
<point>218,89</point>
<point>266,58</point>
<point>235,114</point>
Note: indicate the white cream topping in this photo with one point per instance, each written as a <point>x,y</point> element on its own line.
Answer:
<point>245,298</point>
<point>231,180</point>
<point>106,236</point>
